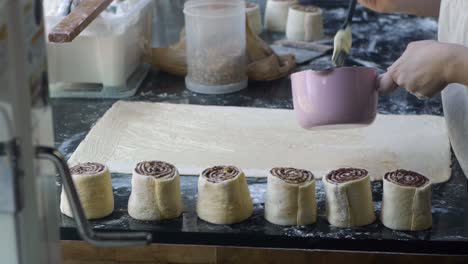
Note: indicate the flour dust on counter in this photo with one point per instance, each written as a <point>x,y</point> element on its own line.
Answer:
<point>257,139</point>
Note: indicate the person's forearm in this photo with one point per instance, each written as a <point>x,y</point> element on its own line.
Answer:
<point>458,70</point>
<point>418,7</point>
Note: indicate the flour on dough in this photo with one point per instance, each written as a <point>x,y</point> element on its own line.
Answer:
<point>194,137</point>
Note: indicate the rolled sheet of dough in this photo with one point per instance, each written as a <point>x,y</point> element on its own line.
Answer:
<point>194,137</point>
<point>406,201</point>
<point>276,14</point>
<point>94,186</point>
<point>223,196</point>
<point>349,198</point>
<point>290,197</point>
<point>155,192</point>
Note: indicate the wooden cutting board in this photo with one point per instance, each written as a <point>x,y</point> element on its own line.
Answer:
<point>257,139</point>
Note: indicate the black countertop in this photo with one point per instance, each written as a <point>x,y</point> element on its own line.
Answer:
<point>378,40</point>
<point>449,234</point>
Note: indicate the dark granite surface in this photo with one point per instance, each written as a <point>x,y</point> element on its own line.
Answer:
<point>378,40</point>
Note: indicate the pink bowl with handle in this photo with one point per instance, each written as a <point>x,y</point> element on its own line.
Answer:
<point>335,98</point>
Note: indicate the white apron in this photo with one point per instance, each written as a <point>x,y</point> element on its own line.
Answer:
<point>453,28</point>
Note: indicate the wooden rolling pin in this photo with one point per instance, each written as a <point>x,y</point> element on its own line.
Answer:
<point>78,19</point>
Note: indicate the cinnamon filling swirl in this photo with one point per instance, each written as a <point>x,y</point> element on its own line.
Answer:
<point>87,168</point>
<point>346,175</point>
<point>292,175</point>
<point>156,169</point>
<point>220,173</point>
<point>406,178</point>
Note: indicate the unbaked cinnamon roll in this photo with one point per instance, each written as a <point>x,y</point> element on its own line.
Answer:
<point>406,178</point>
<point>290,197</point>
<point>156,169</point>
<point>254,17</point>
<point>155,191</point>
<point>348,198</point>
<point>276,14</point>
<point>94,186</point>
<point>220,173</point>
<point>87,168</point>
<point>292,175</point>
<point>223,195</point>
<point>346,175</point>
<point>406,201</point>
<point>305,23</point>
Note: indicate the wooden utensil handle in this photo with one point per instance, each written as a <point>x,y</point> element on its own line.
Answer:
<point>73,24</point>
<point>304,45</point>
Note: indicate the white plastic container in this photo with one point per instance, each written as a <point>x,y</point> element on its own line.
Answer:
<point>216,46</point>
<point>107,52</point>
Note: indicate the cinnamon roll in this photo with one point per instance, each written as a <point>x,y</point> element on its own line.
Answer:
<point>276,14</point>
<point>254,17</point>
<point>346,175</point>
<point>305,23</point>
<point>290,197</point>
<point>348,198</point>
<point>406,178</point>
<point>223,195</point>
<point>155,192</point>
<point>156,169</point>
<point>94,186</point>
<point>406,201</point>
<point>220,173</point>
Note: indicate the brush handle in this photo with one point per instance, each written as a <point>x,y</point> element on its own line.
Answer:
<point>349,18</point>
<point>78,19</point>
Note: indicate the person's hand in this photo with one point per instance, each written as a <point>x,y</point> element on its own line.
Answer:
<point>381,6</point>
<point>423,69</point>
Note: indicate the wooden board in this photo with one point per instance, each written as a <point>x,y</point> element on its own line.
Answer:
<point>74,252</point>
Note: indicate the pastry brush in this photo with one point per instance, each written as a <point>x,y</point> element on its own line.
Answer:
<point>344,39</point>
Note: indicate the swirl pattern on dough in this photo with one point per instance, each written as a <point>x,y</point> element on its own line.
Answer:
<point>292,175</point>
<point>218,174</point>
<point>346,175</point>
<point>87,168</point>
<point>406,178</point>
<point>156,169</point>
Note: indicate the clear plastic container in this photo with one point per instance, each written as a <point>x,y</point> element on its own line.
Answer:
<point>216,46</point>
<point>107,52</point>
